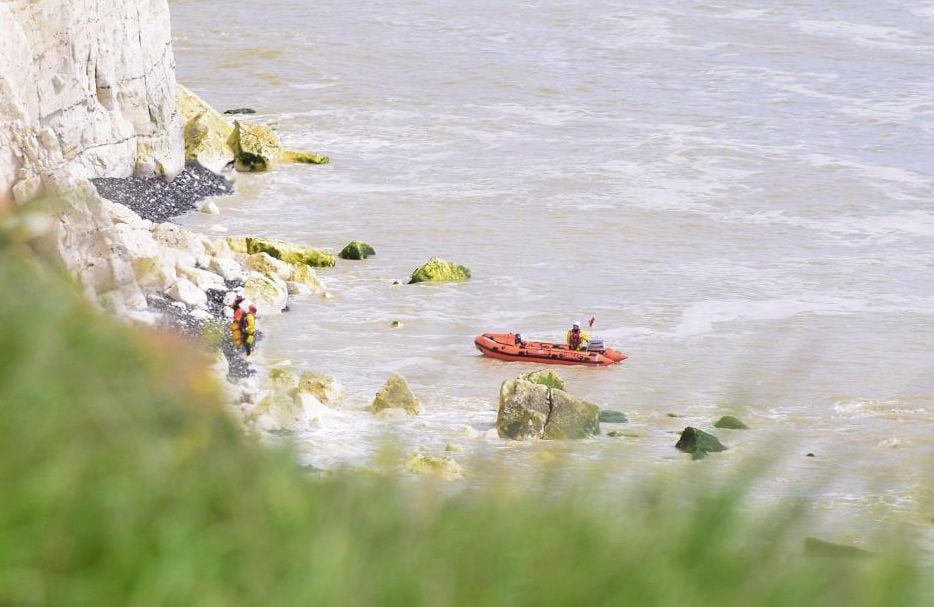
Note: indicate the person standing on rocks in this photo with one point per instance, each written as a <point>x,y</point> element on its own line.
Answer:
<point>248,329</point>
<point>236,333</point>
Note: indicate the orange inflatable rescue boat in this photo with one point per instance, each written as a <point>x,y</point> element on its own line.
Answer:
<point>510,346</point>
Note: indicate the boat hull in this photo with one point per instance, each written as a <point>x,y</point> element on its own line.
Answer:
<point>502,346</point>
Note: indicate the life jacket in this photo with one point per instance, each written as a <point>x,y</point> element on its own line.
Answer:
<point>236,331</point>
<point>248,327</point>
<point>576,339</point>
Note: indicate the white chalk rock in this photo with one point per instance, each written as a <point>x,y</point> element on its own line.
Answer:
<point>202,279</point>
<point>209,208</point>
<point>186,292</point>
<point>177,237</point>
<point>227,268</point>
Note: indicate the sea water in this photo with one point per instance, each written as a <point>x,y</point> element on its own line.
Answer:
<point>739,193</point>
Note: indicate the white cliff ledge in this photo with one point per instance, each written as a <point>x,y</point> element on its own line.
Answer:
<point>87,89</point>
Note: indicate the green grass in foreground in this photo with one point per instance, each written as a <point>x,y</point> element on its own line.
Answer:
<point>121,483</point>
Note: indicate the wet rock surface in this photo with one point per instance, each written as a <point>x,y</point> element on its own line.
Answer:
<point>158,200</point>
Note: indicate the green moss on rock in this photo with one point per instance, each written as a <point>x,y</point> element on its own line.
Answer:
<point>728,422</point>
<point>356,249</point>
<point>302,157</point>
<point>255,147</point>
<point>545,378</point>
<point>290,253</point>
<point>608,416</point>
<point>395,394</point>
<point>698,443</point>
<point>439,270</point>
<point>444,468</point>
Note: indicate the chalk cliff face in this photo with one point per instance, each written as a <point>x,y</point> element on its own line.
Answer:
<point>86,89</point>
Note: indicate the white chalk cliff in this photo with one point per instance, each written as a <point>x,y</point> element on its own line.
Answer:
<point>87,89</point>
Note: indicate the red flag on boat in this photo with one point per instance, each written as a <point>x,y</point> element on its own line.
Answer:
<point>592,320</point>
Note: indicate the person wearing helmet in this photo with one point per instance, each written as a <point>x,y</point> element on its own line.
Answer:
<point>577,339</point>
<point>248,327</point>
<point>236,334</point>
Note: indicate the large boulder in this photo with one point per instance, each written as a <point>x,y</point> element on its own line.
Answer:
<point>534,406</point>
<point>187,292</point>
<point>395,394</point>
<point>269,292</point>
<point>698,443</point>
<point>289,253</point>
<point>523,409</point>
<point>356,249</point>
<point>206,131</point>
<point>571,417</point>
<point>439,270</point>
<point>255,147</point>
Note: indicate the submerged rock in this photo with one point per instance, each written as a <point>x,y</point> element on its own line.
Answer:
<point>302,157</point>
<point>698,443</point>
<point>534,406</point>
<point>356,249</point>
<point>395,394</point>
<point>439,270</point>
<point>255,147</point>
<point>817,547</point>
<point>444,468</point>
<point>608,416</point>
<point>240,110</point>
<point>728,422</point>
<point>287,252</point>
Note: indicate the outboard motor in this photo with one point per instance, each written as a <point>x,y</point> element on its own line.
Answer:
<point>596,345</point>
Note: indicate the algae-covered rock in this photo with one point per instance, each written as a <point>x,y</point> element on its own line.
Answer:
<point>282,378</point>
<point>289,253</point>
<point>255,147</point>
<point>439,270</point>
<point>395,394</point>
<point>728,422</point>
<point>540,409</point>
<point>305,275</point>
<point>571,417</point>
<point>698,443</point>
<point>356,249</point>
<point>267,291</point>
<point>264,263</point>
<point>324,387</point>
<point>608,416</point>
<point>545,378</point>
<point>206,131</point>
<point>444,468</point>
<point>302,157</point>
<point>523,409</point>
